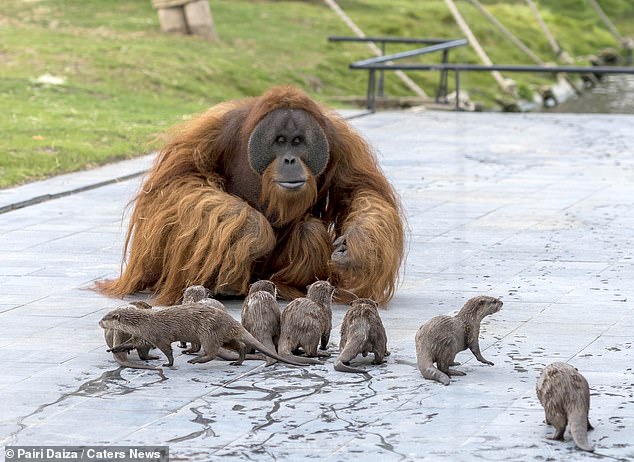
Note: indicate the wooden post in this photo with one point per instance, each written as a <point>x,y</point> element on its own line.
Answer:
<point>505,84</point>
<point>186,17</point>
<point>559,52</point>
<point>199,20</point>
<point>172,20</point>
<point>332,4</point>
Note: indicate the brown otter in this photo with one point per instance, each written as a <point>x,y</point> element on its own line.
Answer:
<point>114,337</point>
<point>200,294</point>
<point>362,332</point>
<point>565,396</point>
<point>210,327</point>
<point>261,317</point>
<point>260,314</point>
<point>442,337</point>
<point>306,322</point>
<point>196,293</point>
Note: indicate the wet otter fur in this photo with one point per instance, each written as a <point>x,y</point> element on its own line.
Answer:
<point>196,293</point>
<point>565,395</point>
<point>306,322</point>
<point>202,295</point>
<point>261,317</point>
<point>260,314</point>
<point>362,331</point>
<point>210,327</point>
<point>114,337</point>
<point>442,337</point>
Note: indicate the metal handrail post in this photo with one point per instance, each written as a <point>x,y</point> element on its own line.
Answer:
<point>382,73</point>
<point>371,98</point>
<point>442,84</point>
<point>457,72</point>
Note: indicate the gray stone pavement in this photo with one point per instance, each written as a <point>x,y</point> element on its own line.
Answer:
<point>537,209</point>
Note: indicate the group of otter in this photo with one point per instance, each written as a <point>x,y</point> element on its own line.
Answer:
<point>301,332</point>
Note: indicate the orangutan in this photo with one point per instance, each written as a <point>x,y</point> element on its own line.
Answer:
<point>273,187</point>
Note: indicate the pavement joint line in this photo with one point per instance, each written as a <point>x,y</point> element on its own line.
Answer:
<point>48,197</point>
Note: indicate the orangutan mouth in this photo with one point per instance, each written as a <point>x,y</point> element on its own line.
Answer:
<point>292,184</point>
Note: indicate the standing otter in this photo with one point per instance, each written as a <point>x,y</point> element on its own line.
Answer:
<point>362,331</point>
<point>307,322</point>
<point>261,317</point>
<point>442,337</point>
<point>202,295</point>
<point>565,396</point>
<point>114,337</point>
<point>193,294</point>
<point>210,327</point>
<point>260,314</point>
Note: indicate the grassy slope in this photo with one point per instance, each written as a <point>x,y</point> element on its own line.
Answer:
<point>126,82</point>
<point>573,22</point>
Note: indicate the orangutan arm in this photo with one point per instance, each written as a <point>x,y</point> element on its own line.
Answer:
<point>369,250</point>
<point>191,232</point>
<point>368,225</point>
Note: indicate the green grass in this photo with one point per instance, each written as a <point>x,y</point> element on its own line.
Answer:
<point>125,82</point>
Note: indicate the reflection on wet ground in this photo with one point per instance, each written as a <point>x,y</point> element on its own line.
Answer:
<point>613,95</point>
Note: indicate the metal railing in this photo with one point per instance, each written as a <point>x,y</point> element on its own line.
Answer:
<point>385,63</point>
<point>436,44</point>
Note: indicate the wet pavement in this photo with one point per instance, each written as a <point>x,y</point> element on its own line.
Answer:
<point>537,209</point>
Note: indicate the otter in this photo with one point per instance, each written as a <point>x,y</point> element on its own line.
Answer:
<point>200,294</point>
<point>565,395</point>
<point>114,337</point>
<point>211,327</point>
<point>442,337</point>
<point>362,331</point>
<point>306,322</point>
<point>260,314</point>
<point>196,293</point>
<point>261,317</point>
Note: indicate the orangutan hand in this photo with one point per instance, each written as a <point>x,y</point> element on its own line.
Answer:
<point>340,255</point>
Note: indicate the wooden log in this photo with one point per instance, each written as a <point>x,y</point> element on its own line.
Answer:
<point>199,19</point>
<point>159,4</point>
<point>173,20</point>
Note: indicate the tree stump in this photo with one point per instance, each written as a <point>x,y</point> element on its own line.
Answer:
<point>186,17</point>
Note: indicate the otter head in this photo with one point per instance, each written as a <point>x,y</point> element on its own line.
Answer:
<point>480,306</point>
<point>321,290</point>
<point>195,294</point>
<point>488,305</point>
<point>127,315</point>
<point>263,285</point>
<point>367,302</point>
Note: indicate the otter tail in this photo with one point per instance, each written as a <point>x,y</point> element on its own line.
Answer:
<point>579,426</point>
<point>122,359</point>
<point>285,358</point>
<point>350,351</point>
<point>431,373</point>
<point>341,367</point>
<point>427,369</point>
<point>268,342</point>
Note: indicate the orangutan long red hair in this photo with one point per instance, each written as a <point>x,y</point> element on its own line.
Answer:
<point>206,214</point>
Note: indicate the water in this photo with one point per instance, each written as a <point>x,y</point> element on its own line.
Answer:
<point>614,95</point>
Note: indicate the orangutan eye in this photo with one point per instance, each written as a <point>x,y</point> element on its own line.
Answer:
<point>296,140</point>
<point>280,139</point>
